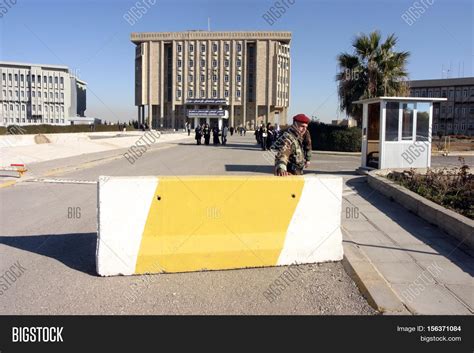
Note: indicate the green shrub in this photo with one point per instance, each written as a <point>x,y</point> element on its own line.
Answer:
<point>451,188</point>
<point>335,138</point>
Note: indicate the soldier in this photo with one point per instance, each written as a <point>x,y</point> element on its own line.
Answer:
<point>290,157</point>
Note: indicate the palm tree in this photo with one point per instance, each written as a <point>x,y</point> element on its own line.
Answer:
<point>374,69</point>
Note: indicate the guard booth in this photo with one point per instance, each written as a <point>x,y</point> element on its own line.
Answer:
<point>208,110</point>
<point>396,132</point>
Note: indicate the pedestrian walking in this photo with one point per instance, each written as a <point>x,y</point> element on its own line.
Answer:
<point>207,133</point>
<point>215,135</point>
<point>225,129</point>
<point>198,132</point>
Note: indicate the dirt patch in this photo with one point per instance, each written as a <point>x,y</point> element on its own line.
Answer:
<point>40,138</point>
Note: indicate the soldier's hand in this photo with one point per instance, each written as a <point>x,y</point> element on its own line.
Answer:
<point>281,172</point>
<point>306,164</point>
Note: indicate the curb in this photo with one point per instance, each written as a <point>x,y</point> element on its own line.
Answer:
<point>454,224</point>
<point>337,153</point>
<point>370,282</point>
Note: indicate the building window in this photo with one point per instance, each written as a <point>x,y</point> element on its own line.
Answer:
<point>203,63</point>
<point>62,95</point>
<point>178,78</point>
<point>39,107</point>
<point>33,94</point>
<point>22,78</point>
<point>214,78</point>
<point>203,78</point>
<point>203,48</point>
<point>191,78</point>
<point>190,93</point>
<point>4,77</point>
<point>179,63</point>
<point>191,63</point>
<point>214,94</point>
<point>238,78</point>
<point>22,94</point>
<point>239,47</point>
<point>33,78</point>
<point>56,95</point>
<point>214,63</point>
<point>45,79</point>
<point>16,94</point>
<point>226,93</point>
<point>191,48</point>
<point>56,80</point>
<point>34,107</point>
<point>62,80</point>
<point>237,93</point>
<point>239,62</point>
<point>50,80</point>
<point>226,63</point>
<point>16,77</point>
<point>203,94</point>
<point>226,47</point>
<point>226,78</point>
<point>10,77</point>
<point>179,48</point>
<point>39,94</point>
<point>214,47</point>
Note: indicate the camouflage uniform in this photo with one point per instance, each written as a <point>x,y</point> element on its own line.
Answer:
<point>307,146</point>
<point>290,155</point>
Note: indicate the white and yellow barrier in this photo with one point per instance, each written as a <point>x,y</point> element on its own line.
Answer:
<point>181,224</point>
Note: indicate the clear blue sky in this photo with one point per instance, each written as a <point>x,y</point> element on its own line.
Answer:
<point>93,37</point>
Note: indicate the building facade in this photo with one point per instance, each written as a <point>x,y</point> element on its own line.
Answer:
<point>456,115</point>
<point>39,94</point>
<point>242,78</point>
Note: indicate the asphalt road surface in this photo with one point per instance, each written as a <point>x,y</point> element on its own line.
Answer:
<point>51,249</point>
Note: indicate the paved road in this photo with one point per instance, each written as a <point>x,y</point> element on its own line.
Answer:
<point>57,251</point>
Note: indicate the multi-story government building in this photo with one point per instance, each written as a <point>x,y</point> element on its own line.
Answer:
<point>39,94</point>
<point>240,78</point>
<point>456,115</point>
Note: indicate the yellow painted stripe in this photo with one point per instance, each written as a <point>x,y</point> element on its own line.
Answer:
<point>217,223</point>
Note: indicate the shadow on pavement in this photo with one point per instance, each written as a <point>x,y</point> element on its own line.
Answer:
<point>441,242</point>
<point>255,168</point>
<point>76,251</point>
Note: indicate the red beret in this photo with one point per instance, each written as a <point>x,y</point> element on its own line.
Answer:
<point>301,118</point>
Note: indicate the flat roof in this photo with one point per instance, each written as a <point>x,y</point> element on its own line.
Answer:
<point>15,63</point>
<point>401,99</point>
<point>138,37</point>
<point>443,82</point>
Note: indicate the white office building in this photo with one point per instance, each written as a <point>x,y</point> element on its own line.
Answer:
<point>39,94</point>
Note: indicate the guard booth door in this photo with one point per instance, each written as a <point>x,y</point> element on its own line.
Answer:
<point>373,136</point>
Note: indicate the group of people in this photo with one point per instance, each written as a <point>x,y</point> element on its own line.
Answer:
<point>292,145</point>
<point>206,131</point>
<point>266,135</point>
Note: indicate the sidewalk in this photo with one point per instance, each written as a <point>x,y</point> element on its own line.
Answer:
<point>428,271</point>
<point>53,163</point>
<point>23,149</point>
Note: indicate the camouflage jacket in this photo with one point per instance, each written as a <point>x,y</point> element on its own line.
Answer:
<point>290,155</point>
<point>307,146</point>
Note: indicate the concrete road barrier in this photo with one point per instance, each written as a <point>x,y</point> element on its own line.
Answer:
<point>181,224</point>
